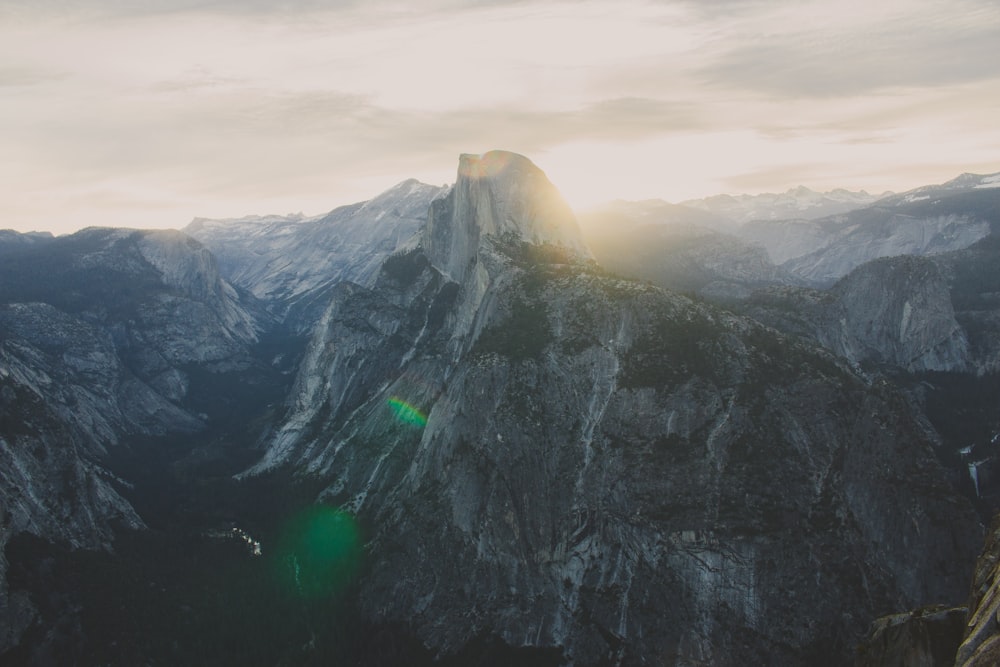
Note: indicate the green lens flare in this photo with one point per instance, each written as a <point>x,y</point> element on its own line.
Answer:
<point>321,552</point>
<point>406,413</point>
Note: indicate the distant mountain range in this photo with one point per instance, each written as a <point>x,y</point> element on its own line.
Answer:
<point>705,251</point>
<point>799,203</point>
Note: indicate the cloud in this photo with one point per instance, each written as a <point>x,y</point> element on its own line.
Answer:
<point>18,76</point>
<point>763,179</point>
<point>285,8</point>
<point>155,7</point>
<point>941,45</point>
<point>346,123</point>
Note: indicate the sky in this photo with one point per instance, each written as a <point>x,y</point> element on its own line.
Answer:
<point>148,113</point>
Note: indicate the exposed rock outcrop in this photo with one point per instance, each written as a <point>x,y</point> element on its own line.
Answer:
<point>540,455</point>
<point>898,311</point>
<point>679,249</point>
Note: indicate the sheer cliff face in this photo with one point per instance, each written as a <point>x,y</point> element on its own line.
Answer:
<point>560,458</point>
<point>497,194</point>
<point>893,312</point>
<point>899,311</point>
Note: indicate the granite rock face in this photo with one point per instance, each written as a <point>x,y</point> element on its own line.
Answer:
<point>905,639</point>
<point>290,262</point>
<point>899,311</point>
<point>59,411</point>
<point>824,255</point>
<point>893,312</point>
<point>926,221</point>
<point>538,452</point>
<point>497,194</point>
<point>559,458</point>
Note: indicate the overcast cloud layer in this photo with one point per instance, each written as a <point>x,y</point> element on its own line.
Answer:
<point>148,113</point>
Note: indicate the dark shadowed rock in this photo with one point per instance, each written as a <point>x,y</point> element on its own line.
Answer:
<point>99,333</point>
<point>924,638</point>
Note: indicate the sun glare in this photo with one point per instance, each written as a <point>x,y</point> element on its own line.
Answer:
<point>588,174</point>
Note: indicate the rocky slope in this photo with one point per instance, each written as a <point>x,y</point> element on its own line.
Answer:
<point>931,323</point>
<point>545,461</point>
<point>926,221</point>
<point>893,312</point>
<point>100,332</point>
<point>558,458</point>
<point>926,637</point>
<point>724,247</point>
<point>286,260</point>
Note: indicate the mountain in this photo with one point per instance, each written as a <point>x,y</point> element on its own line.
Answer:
<point>724,247</point>
<point>980,646</point>
<point>932,324</point>
<point>925,221</point>
<point>556,458</point>
<point>796,203</point>
<point>290,260</point>
<point>963,183</point>
<point>895,311</point>
<point>107,338</point>
<point>57,379</point>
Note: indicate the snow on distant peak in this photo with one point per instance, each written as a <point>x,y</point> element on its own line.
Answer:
<point>797,202</point>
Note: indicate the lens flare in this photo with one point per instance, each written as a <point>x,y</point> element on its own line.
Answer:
<point>407,413</point>
<point>321,552</point>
